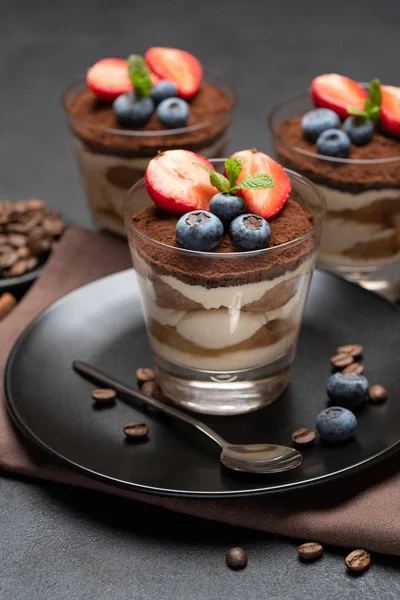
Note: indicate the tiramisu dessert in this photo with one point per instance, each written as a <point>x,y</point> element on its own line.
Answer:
<point>224,263</point>
<point>125,111</point>
<point>348,144</point>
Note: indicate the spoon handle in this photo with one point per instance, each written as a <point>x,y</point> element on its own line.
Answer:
<point>129,393</point>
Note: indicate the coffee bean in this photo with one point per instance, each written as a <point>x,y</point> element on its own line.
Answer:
<point>358,560</point>
<point>303,437</point>
<point>23,252</point>
<point>357,368</point>
<point>17,240</point>
<point>6,248</point>
<point>354,350</point>
<point>104,396</point>
<point>143,375</point>
<point>8,259</point>
<point>17,228</point>
<point>34,204</point>
<point>236,558</point>
<point>31,263</point>
<point>40,247</point>
<point>310,550</point>
<point>136,430</point>
<point>18,268</point>
<point>3,239</point>
<point>54,227</point>
<point>377,394</point>
<point>341,360</point>
<point>150,388</point>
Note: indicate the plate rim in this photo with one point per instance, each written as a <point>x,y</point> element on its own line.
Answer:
<point>166,492</point>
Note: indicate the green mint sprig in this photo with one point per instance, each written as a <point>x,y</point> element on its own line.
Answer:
<point>227,185</point>
<point>139,75</point>
<point>372,106</point>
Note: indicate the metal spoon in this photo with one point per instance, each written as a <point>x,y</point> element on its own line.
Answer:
<point>250,458</point>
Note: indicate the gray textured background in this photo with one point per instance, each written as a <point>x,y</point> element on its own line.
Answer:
<point>60,543</point>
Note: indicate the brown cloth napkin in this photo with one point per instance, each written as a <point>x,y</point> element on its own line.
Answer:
<point>362,510</point>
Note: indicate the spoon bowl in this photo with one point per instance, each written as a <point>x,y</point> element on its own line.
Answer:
<point>260,458</point>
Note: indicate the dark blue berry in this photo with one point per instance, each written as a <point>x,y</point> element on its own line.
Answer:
<point>360,131</point>
<point>347,389</point>
<point>250,232</point>
<point>199,230</point>
<point>336,424</point>
<point>173,112</point>
<point>318,120</point>
<point>132,111</point>
<point>163,90</point>
<point>334,142</point>
<point>227,206</point>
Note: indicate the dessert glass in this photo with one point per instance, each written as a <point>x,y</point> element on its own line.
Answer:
<point>109,171</point>
<point>223,326</point>
<point>361,234</point>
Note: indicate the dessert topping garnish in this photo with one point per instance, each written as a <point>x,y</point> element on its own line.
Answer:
<point>338,93</point>
<point>178,66</point>
<point>372,105</point>
<point>109,78</point>
<point>134,108</point>
<point>390,109</point>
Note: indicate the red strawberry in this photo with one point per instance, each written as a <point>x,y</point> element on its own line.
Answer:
<point>178,66</point>
<point>338,93</point>
<point>177,185</point>
<point>390,109</point>
<point>109,78</point>
<point>269,202</point>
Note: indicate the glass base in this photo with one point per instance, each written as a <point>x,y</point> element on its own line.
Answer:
<point>223,393</point>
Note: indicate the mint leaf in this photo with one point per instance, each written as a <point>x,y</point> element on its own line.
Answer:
<point>256,181</point>
<point>216,179</point>
<point>374,92</point>
<point>233,166</point>
<point>358,112</point>
<point>139,75</point>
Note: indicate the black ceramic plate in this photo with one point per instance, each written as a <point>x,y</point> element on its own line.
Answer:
<point>19,285</point>
<point>102,324</point>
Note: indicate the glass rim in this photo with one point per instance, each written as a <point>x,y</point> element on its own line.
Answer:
<point>81,79</point>
<point>228,255</point>
<point>331,159</point>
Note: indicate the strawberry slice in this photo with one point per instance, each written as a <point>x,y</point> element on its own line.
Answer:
<point>338,93</point>
<point>390,109</point>
<point>178,66</point>
<point>176,185</point>
<point>269,202</point>
<point>109,78</point>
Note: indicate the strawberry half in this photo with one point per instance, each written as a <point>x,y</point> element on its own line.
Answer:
<point>269,202</point>
<point>338,93</point>
<point>109,78</point>
<point>390,109</point>
<point>178,186</point>
<point>178,66</point>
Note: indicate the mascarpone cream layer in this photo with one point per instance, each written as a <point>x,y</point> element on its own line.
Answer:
<point>338,200</point>
<point>226,360</point>
<point>339,234</point>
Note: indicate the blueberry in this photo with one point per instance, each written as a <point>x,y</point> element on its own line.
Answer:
<point>316,121</point>
<point>336,424</point>
<point>173,112</point>
<point>199,230</point>
<point>132,111</point>
<point>163,90</point>
<point>359,131</point>
<point>334,142</point>
<point>250,232</point>
<point>347,389</point>
<point>227,206</point>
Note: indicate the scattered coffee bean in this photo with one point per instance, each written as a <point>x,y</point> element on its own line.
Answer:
<point>136,430</point>
<point>303,437</point>
<point>236,558</point>
<point>356,368</point>
<point>7,303</point>
<point>310,550</point>
<point>104,396</point>
<point>342,360</point>
<point>358,561</point>
<point>150,388</point>
<point>377,394</point>
<point>17,240</point>
<point>23,252</point>
<point>354,350</point>
<point>143,375</point>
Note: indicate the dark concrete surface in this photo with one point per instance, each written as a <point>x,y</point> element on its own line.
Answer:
<point>62,543</point>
